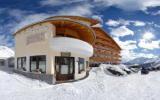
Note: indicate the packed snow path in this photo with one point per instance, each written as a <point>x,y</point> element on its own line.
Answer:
<point>98,86</point>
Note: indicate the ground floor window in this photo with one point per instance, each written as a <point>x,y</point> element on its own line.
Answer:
<point>21,63</point>
<point>38,64</point>
<point>64,67</point>
<point>2,62</point>
<point>81,66</point>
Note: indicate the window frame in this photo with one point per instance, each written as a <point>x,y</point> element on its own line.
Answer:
<point>37,57</point>
<point>2,62</point>
<point>59,61</point>
<point>21,63</point>
<point>79,62</point>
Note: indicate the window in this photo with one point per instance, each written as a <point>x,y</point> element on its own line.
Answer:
<point>38,64</point>
<point>87,64</point>
<point>64,65</point>
<point>81,65</point>
<point>21,63</point>
<point>2,62</point>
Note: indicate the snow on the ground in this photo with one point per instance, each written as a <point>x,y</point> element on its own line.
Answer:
<point>98,86</point>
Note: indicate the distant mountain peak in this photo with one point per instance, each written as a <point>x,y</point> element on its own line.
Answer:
<point>142,60</point>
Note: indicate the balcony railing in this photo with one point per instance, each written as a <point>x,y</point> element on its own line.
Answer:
<point>66,44</point>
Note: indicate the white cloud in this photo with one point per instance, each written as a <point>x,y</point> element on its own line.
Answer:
<point>121,31</point>
<point>5,40</point>
<point>128,55</point>
<point>113,23</point>
<point>129,4</point>
<point>79,10</point>
<point>58,2</point>
<point>116,23</point>
<point>148,55</point>
<point>127,49</point>
<point>149,44</point>
<point>17,13</point>
<point>126,45</point>
<point>124,22</point>
<point>24,18</point>
<point>148,41</point>
<point>157,13</point>
<point>29,19</point>
<point>148,36</point>
<point>128,52</point>
<point>139,23</point>
<point>153,24</point>
<point>156,25</point>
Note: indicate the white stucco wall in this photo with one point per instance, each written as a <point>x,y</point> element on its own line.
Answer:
<point>25,48</point>
<point>78,48</point>
<point>40,47</point>
<point>66,44</point>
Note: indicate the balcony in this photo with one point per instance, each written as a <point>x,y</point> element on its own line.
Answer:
<point>76,46</point>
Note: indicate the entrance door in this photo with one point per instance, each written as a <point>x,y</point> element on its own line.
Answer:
<point>64,68</point>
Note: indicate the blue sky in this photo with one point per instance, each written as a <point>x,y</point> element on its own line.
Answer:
<point>134,24</point>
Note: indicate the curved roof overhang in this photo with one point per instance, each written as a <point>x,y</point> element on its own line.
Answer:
<point>86,32</point>
<point>102,31</point>
<point>80,18</point>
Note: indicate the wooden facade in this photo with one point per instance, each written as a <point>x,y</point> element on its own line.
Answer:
<point>106,50</point>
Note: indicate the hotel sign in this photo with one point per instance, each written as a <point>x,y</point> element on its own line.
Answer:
<point>65,54</point>
<point>35,38</point>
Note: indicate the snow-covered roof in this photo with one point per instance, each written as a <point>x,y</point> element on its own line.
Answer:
<point>6,52</point>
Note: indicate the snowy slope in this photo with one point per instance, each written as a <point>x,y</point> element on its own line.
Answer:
<point>155,60</point>
<point>143,60</point>
<point>98,86</point>
<point>6,52</point>
<point>156,63</point>
<point>140,60</point>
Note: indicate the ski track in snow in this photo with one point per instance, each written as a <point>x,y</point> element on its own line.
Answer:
<point>98,86</point>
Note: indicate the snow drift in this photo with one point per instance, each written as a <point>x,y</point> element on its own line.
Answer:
<point>113,69</point>
<point>98,86</point>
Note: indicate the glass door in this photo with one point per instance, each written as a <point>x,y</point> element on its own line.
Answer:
<point>64,67</point>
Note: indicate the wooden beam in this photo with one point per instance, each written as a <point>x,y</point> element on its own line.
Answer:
<point>111,45</point>
<point>101,45</point>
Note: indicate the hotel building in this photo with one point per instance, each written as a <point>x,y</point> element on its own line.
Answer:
<point>62,47</point>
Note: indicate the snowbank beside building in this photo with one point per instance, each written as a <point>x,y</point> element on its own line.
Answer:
<point>6,56</point>
<point>98,86</point>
